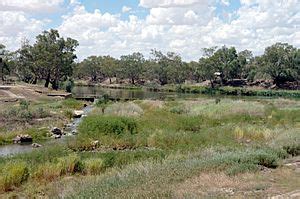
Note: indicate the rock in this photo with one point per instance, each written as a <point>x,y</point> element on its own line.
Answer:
<point>36,145</point>
<point>95,144</point>
<point>78,114</point>
<point>19,139</point>
<point>74,132</point>
<point>56,131</point>
<point>57,136</point>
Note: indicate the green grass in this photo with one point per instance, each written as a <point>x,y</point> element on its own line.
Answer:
<point>235,91</point>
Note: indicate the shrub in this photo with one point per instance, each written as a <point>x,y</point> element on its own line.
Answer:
<point>124,109</point>
<point>94,166</point>
<point>96,126</point>
<point>24,105</point>
<point>13,174</point>
<point>41,113</point>
<point>102,101</point>
<point>70,164</point>
<point>68,113</point>
<point>72,103</point>
<point>48,171</point>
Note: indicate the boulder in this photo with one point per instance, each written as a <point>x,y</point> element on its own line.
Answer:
<point>95,144</point>
<point>78,114</point>
<point>19,139</point>
<point>36,145</point>
<point>56,131</point>
<point>57,136</point>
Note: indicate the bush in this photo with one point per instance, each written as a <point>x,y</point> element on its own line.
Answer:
<point>13,174</point>
<point>94,166</point>
<point>102,101</point>
<point>41,113</point>
<point>72,104</point>
<point>68,113</point>
<point>24,105</point>
<point>124,109</point>
<point>69,85</point>
<point>48,171</point>
<point>95,126</point>
<point>70,164</point>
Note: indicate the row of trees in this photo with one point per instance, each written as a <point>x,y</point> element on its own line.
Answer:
<point>280,63</point>
<point>51,59</point>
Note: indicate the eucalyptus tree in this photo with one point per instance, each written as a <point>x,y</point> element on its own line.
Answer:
<point>56,56</point>
<point>132,66</point>
<point>281,62</point>
<point>109,67</point>
<point>4,68</point>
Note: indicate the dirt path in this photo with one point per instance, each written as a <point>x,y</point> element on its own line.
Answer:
<point>12,95</point>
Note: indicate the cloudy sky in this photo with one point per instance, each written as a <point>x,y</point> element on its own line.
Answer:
<point>117,27</point>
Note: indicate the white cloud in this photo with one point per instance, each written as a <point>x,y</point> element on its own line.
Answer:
<point>30,5</point>
<point>171,3</point>
<point>183,26</point>
<point>15,26</point>
<point>126,9</point>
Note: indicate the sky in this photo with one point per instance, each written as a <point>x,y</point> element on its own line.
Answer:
<point>120,27</point>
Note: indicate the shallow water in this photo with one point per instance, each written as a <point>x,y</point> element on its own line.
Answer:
<point>14,149</point>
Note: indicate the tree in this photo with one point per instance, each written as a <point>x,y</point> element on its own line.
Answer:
<point>132,66</point>
<point>4,69</point>
<point>56,56</point>
<point>28,69</point>
<point>245,58</point>
<point>161,66</point>
<point>227,63</point>
<point>208,65</point>
<point>91,67</point>
<point>281,63</point>
<point>109,67</point>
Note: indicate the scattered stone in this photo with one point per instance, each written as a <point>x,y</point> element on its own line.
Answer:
<point>95,144</point>
<point>36,145</point>
<point>74,132</point>
<point>19,139</point>
<point>78,114</point>
<point>56,131</point>
<point>57,136</point>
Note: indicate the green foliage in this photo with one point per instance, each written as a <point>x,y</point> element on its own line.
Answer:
<point>69,85</point>
<point>70,164</point>
<point>132,66</point>
<point>94,166</point>
<point>95,126</point>
<point>72,103</point>
<point>50,58</point>
<point>280,62</point>
<point>12,175</point>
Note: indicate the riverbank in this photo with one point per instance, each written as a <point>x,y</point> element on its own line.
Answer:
<point>193,89</point>
<point>33,110</point>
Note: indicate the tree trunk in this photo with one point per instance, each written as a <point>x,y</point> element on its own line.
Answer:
<point>47,81</point>
<point>109,80</point>
<point>34,81</point>
<point>55,84</point>
<point>132,80</point>
<point>212,83</point>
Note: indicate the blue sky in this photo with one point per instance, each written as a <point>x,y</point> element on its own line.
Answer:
<point>118,27</point>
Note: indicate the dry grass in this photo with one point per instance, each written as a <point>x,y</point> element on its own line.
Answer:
<point>124,109</point>
<point>214,184</point>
